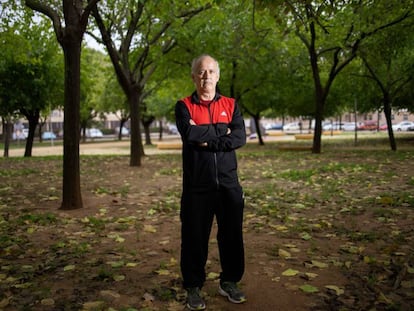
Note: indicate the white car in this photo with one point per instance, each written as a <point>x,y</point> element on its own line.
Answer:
<point>94,133</point>
<point>294,126</point>
<point>335,126</point>
<point>402,126</point>
<point>124,131</point>
<point>349,126</point>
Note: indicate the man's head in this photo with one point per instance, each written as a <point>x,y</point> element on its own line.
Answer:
<point>205,72</point>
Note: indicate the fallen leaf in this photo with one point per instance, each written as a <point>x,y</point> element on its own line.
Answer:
<point>162,272</point>
<point>305,236</point>
<point>319,264</point>
<point>283,253</point>
<point>290,272</point>
<point>150,228</point>
<point>93,305</point>
<point>119,277</point>
<point>116,264</point>
<point>213,276</point>
<point>309,275</point>
<point>47,302</point>
<point>308,288</point>
<point>338,291</point>
<point>69,268</point>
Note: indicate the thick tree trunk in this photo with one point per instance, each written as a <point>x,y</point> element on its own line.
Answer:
<point>137,150</point>
<point>72,198</point>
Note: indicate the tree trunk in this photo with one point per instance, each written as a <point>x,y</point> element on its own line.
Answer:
<point>121,126</point>
<point>72,198</point>
<point>33,122</point>
<point>387,112</point>
<point>319,98</point>
<point>147,121</point>
<point>137,150</point>
<point>8,132</point>
<point>160,131</point>
<point>259,133</point>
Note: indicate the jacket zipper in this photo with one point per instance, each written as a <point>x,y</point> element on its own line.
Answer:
<point>215,153</point>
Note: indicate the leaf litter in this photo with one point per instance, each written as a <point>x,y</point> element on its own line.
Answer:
<point>335,231</point>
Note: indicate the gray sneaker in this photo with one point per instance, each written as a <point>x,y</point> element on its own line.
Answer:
<point>232,292</point>
<point>194,300</point>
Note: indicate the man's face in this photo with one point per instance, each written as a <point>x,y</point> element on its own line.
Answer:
<point>206,75</point>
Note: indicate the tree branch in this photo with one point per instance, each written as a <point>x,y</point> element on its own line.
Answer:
<point>87,11</point>
<point>49,12</point>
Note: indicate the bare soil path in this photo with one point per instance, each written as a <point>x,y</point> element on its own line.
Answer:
<point>333,232</point>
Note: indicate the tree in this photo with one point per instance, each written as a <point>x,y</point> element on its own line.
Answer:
<point>94,67</point>
<point>30,69</point>
<point>390,67</point>
<point>113,100</point>
<point>332,33</point>
<point>69,22</point>
<point>135,37</point>
<point>9,99</point>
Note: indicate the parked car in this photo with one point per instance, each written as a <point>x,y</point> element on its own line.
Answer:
<point>172,129</point>
<point>335,126</point>
<point>124,131</point>
<point>383,127</point>
<point>20,134</point>
<point>410,128</point>
<point>48,135</point>
<point>294,126</point>
<point>274,126</point>
<point>349,126</point>
<point>93,133</point>
<point>402,126</point>
<point>368,126</point>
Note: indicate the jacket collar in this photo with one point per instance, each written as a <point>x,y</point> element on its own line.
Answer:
<point>196,99</point>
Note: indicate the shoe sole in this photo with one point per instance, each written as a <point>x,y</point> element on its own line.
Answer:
<point>223,293</point>
<point>195,308</point>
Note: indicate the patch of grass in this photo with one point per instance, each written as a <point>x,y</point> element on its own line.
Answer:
<point>43,219</point>
<point>296,175</point>
<point>96,224</point>
<point>169,171</point>
<point>19,172</point>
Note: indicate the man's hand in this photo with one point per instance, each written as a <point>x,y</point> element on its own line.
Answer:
<point>192,122</point>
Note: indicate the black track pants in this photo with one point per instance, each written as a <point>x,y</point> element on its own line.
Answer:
<point>197,214</point>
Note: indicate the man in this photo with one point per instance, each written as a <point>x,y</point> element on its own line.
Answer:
<point>211,128</point>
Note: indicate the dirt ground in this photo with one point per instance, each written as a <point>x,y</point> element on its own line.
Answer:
<point>121,251</point>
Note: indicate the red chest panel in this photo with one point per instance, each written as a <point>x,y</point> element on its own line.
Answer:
<point>220,111</point>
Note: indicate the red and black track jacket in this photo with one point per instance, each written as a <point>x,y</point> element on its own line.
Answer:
<point>215,165</point>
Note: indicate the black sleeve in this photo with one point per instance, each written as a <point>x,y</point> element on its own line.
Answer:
<point>235,139</point>
<point>192,134</point>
